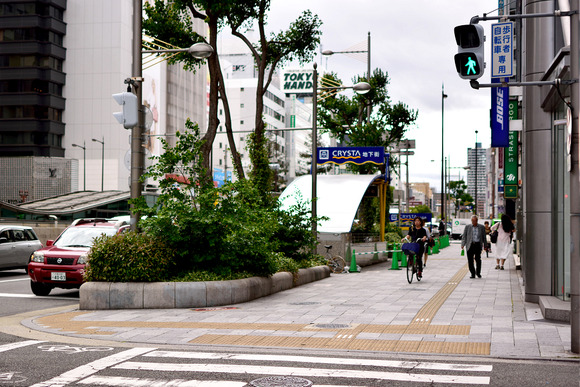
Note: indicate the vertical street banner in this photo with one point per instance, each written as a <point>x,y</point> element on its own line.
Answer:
<point>499,116</point>
<point>511,168</point>
<point>502,51</point>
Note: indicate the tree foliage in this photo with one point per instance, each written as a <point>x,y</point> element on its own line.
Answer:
<point>346,118</point>
<point>458,191</point>
<point>172,23</point>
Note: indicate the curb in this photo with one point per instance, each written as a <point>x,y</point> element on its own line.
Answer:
<point>170,295</point>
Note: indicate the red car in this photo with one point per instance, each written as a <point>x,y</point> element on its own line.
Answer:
<point>61,264</point>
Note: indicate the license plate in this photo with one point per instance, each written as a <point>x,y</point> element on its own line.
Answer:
<point>58,276</point>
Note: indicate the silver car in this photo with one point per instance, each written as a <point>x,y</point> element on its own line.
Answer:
<point>17,243</point>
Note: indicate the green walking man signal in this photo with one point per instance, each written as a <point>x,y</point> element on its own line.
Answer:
<point>470,40</point>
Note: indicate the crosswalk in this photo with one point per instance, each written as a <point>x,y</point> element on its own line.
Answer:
<point>152,367</point>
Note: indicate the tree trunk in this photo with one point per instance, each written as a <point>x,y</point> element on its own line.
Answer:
<point>214,70</point>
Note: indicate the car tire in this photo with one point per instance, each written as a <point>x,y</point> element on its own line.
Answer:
<point>40,289</point>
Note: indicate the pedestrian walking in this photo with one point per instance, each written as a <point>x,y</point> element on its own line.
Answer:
<point>442,228</point>
<point>429,241</point>
<point>503,246</point>
<point>487,245</point>
<point>472,240</point>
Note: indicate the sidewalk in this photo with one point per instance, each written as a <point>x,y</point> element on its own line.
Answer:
<point>374,310</point>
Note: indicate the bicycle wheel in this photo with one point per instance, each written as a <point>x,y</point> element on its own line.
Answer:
<point>410,268</point>
<point>337,264</point>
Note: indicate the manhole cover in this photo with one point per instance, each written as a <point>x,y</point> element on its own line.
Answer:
<point>281,381</point>
<point>332,326</point>
<point>305,303</point>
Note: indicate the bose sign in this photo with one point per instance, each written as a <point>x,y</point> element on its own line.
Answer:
<point>499,116</point>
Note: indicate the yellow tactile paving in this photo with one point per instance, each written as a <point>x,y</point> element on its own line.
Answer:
<point>343,338</point>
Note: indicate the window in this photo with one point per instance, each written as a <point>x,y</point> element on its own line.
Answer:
<point>242,105</point>
<point>220,163</point>
<point>241,89</point>
<point>221,112</point>
<point>241,122</point>
<point>220,145</point>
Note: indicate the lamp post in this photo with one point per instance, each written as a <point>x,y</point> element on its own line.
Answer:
<point>476,208</point>
<point>84,148</point>
<point>443,96</point>
<point>360,88</point>
<point>368,51</point>
<point>102,161</point>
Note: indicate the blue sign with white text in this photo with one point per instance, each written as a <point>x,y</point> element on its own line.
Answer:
<point>353,155</point>
<point>500,128</point>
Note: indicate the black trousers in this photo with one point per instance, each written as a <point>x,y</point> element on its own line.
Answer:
<point>474,253</point>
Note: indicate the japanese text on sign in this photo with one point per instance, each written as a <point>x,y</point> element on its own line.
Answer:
<point>502,50</point>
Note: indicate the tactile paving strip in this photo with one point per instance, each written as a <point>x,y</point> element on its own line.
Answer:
<point>283,335</point>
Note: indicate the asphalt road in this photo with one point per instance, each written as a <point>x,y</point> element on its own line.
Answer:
<point>31,358</point>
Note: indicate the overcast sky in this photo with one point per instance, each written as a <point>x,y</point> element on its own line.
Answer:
<point>413,41</point>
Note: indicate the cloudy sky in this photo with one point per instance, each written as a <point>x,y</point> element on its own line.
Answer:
<point>413,41</point>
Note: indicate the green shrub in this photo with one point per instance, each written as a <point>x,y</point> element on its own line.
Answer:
<point>130,257</point>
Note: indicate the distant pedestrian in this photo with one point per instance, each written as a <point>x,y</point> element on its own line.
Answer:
<point>487,245</point>
<point>442,228</point>
<point>472,240</point>
<point>429,239</point>
<point>503,246</point>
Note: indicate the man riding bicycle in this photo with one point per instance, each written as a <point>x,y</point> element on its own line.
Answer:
<point>418,232</point>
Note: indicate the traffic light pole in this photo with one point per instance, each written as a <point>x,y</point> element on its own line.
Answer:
<point>137,154</point>
<point>575,187</point>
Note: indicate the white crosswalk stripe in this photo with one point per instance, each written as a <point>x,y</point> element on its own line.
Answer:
<point>198,365</point>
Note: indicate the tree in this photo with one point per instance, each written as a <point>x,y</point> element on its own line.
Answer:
<point>421,209</point>
<point>458,191</point>
<point>346,118</point>
<point>172,23</point>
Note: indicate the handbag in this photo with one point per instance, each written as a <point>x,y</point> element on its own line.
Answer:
<point>493,237</point>
<point>411,248</point>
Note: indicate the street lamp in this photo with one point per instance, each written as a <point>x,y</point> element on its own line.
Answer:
<point>199,50</point>
<point>102,161</point>
<point>359,88</point>
<point>368,51</point>
<point>443,96</point>
<point>84,148</point>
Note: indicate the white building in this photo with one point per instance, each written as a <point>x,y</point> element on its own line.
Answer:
<point>99,44</point>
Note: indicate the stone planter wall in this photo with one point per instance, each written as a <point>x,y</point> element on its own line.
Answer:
<point>166,295</point>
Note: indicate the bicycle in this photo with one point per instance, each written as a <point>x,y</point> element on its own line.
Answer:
<point>411,250</point>
<point>336,262</point>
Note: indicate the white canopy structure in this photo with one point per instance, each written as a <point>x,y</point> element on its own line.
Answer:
<point>339,197</point>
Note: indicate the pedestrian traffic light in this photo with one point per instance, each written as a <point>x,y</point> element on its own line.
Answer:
<point>469,59</point>
<point>129,116</point>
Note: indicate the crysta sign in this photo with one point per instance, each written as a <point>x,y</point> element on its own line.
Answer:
<point>297,81</point>
<point>352,155</point>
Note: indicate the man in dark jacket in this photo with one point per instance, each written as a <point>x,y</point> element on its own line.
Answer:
<point>473,240</point>
<point>442,228</point>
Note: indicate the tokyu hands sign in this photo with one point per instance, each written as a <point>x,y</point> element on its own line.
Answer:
<point>352,155</point>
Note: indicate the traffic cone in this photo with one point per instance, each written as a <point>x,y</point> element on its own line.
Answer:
<point>395,262</point>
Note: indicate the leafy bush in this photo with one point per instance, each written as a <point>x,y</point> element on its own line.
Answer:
<point>130,257</point>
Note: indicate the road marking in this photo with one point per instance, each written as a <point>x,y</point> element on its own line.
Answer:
<point>20,344</point>
<point>13,280</point>
<point>19,295</point>
<point>91,368</point>
<point>323,360</point>
<point>304,372</point>
<point>136,382</point>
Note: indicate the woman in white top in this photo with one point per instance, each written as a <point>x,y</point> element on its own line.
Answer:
<point>503,246</point>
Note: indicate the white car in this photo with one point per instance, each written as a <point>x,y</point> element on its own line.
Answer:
<point>17,243</point>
